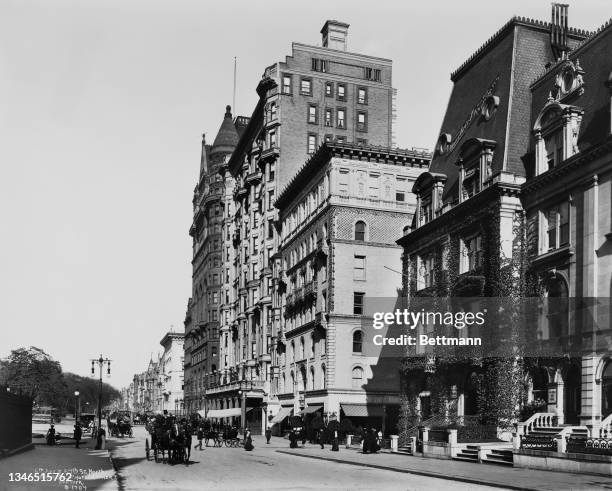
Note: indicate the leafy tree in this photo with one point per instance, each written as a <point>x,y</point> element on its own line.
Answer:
<point>32,372</point>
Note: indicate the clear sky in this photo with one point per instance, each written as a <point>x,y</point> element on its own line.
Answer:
<point>102,107</point>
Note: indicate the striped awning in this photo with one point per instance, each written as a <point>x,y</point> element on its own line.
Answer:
<point>310,409</point>
<point>282,414</point>
<point>362,410</point>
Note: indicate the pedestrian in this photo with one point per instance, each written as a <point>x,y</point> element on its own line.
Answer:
<point>335,442</point>
<point>200,438</point>
<point>322,437</point>
<point>365,447</point>
<point>293,439</point>
<point>268,435</point>
<point>78,433</point>
<point>303,431</point>
<point>379,439</point>
<point>51,435</point>
<point>248,441</point>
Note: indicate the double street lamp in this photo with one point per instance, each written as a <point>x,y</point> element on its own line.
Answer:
<point>101,362</point>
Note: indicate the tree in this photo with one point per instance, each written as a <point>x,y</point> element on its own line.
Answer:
<point>32,372</point>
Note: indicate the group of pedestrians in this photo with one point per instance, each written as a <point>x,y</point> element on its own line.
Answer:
<point>371,440</point>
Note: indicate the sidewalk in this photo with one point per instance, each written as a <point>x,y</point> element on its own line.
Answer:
<point>88,467</point>
<point>486,474</point>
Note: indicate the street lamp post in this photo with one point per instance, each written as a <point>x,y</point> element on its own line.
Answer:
<point>76,406</point>
<point>100,361</point>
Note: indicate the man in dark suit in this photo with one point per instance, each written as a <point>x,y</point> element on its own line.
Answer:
<point>78,433</point>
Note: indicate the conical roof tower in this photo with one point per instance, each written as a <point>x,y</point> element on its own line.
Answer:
<point>227,137</point>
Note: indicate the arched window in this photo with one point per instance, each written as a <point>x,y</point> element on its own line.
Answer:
<point>360,230</point>
<point>302,348</point>
<point>357,342</point>
<point>323,382</point>
<point>357,376</point>
<point>292,382</point>
<point>606,390</point>
<point>311,379</point>
<point>302,379</point>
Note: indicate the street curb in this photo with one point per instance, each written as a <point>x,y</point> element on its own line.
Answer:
<point>15,451</point>
<point>415,472</point>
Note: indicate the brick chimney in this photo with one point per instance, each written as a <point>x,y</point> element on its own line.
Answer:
<point>335,35</point>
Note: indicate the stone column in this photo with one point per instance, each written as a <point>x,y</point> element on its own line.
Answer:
<point>394,443</point>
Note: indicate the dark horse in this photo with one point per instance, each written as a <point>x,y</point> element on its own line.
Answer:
<point>180,442</point>
<point>160,442</point>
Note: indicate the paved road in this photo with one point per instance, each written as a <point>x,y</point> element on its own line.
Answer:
<point>263,468</point>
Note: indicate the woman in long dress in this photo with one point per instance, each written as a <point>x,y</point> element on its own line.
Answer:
<point>248,441</point>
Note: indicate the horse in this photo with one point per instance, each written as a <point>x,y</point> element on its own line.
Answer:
<point>160,441</point>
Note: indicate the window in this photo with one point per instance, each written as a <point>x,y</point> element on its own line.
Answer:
<point>329,120</point>
<point>329,89</point>
<point>361,141</point>
<point>400,186</point>
<point>362,121</point>
<point>357,376</point>
<point>371,74</point>
<point>215,315</point>
<point>312,143</point>
<point>341,92</point>
<point>357,342</point>
<point>557,227</point>
<point>472,254</point>
<point>302,348</point>
<point>360,231</point>
<point>343,181</point>
<point>272,111</point>
<point>341,139</point>
<point>359,272</point>
<point>271,173</point>
<point>306,86</point>
<point>215,298</point>
<point>286,89</point>
<point>319,65</point>
<point>427,271</point>
<point>554,149</point>
<point>358,303</point>
<point>270,229</point>
<point>373,186</point>
<point>312,113</point>
<point>426,211</point>
<point>341,118</point>
<point>272,136</point>
<point>362,95</point>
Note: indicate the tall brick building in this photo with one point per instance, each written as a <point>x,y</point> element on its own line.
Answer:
<point>338,219</point>
<point>201,343</point>
<point>317,94</point>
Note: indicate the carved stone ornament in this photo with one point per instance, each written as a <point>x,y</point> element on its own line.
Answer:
<point>489,107</point>
<point>569,80</point>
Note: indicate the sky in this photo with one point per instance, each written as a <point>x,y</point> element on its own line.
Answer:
<point>102,107</point>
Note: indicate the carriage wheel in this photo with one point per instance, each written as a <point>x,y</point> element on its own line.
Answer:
<point>228,443</point>
<point>147,448</point>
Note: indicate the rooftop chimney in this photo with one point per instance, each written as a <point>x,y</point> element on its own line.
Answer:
<point>335,35</point>
<point>558,30</point>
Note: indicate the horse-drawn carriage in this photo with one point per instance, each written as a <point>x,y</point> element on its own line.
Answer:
<point>120,424</point>
<point>168,437</point>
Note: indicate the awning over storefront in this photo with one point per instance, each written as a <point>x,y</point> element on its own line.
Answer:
<point>282,414</point>
<point>224,413</point>
<point>362,410</point>
<point>309,409</point>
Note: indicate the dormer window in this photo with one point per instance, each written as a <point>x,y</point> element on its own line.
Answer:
<point>556,135</point>
<point>429,190</point>
<point>475,171</point>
